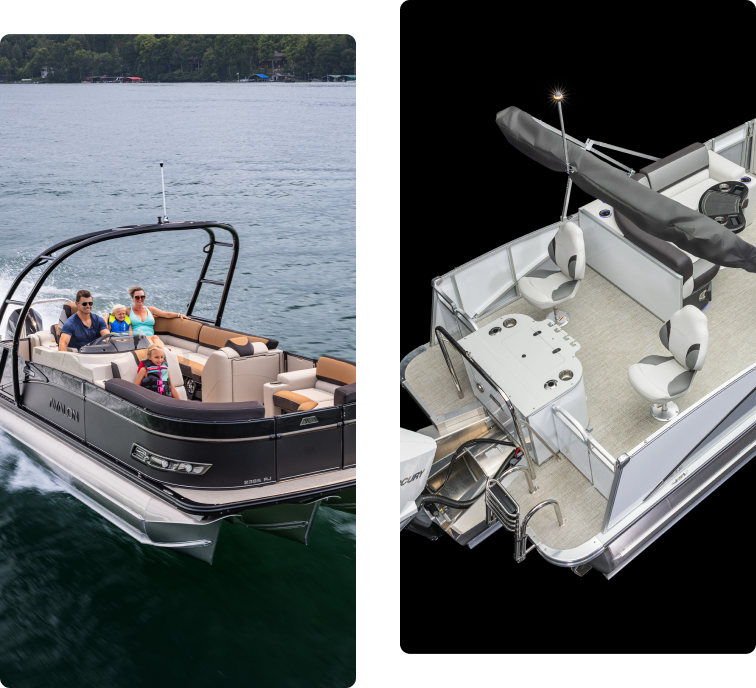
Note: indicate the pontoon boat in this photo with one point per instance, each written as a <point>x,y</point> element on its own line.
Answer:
<point>588,435</point>
<point>260,437</point>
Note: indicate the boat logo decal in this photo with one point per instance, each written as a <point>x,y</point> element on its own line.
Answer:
<point>65,410</point>
<point>411,478</point>
<point>308,421</point>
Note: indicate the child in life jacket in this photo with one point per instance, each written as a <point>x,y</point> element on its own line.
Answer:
<point>153,373</point>
<point>118,321</point>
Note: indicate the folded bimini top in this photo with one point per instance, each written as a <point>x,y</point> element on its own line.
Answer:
<point>658,215</point>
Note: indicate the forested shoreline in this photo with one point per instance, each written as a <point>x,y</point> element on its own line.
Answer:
<point>176,57</point>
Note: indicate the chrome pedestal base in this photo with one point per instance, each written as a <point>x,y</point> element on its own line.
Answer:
<point>665,412</point>
<point>560,317</point>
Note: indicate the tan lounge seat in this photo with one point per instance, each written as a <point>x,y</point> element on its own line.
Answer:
<point>332,382</point>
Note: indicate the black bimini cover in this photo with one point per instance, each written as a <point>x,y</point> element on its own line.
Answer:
<point>658,215</point>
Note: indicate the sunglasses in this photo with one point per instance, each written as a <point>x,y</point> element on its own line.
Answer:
<point>139,298</point>
<point>87,303</point>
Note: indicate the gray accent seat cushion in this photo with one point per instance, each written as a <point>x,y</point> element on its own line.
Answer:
<point>660,378</point>
<point>547,288</point>
<point>676,167</point>
<point>703,273</point>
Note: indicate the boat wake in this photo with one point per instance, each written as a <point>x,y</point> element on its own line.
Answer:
<point>19,472</point>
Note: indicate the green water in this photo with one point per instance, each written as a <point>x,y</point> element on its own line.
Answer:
<point>81,603</point>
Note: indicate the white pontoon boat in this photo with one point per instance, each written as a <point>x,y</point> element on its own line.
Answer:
<point>588,435</point>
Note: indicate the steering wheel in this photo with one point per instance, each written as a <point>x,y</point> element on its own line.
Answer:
<point>115,343</point>
<point>105,339</point>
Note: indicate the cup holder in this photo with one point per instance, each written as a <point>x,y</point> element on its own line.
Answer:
<point>724,187</point>
<point>494,330</point>
<point>605,213</point>
<point>565,375</point>
<point>551,384</point>
<point>745,180</point>
<point>509,322</point>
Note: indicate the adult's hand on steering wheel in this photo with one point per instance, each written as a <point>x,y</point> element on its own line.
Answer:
<point>100,340</point>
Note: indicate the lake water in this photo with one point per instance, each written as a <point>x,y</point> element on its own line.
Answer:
<point>82,604</point>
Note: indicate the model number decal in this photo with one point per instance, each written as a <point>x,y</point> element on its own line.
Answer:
<point>308,421</point>
<point>65,410</point>
<point>257,480</point>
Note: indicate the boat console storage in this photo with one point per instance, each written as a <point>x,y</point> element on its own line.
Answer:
<point>587,436</point>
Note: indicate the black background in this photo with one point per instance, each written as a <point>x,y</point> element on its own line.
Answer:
<point>652,78</point>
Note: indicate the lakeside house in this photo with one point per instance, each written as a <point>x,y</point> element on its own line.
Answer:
<point>46,70</point>
<point>339,77</point>
<point>279,59</point>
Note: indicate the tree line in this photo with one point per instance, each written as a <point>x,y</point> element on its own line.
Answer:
<point>175,57</point>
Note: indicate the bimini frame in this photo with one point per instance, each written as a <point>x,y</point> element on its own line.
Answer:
<point>82,241</point>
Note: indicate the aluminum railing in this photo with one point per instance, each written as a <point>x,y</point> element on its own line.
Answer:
<point>521,539</point>
<point>445,301</point>
<point>521,444</point>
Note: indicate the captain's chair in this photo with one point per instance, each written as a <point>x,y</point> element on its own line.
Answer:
<point>660,379</point>
<point>548,288</point>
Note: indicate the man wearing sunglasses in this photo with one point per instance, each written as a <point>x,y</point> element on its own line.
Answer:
<point>83,326</point>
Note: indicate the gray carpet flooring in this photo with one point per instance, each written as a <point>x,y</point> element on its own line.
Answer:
<point>614,332</point>
<point>430,379</point>
<point>582,505</point>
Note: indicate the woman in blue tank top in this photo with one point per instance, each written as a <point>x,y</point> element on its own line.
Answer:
<point>143,317</point>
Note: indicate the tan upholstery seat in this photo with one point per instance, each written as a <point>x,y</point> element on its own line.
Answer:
<point>238,372</point>
<point>332,381</point>
<point>291,401</point>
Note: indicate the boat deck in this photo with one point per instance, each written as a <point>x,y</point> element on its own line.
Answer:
<point>582,505</point>
<point>614,332</point>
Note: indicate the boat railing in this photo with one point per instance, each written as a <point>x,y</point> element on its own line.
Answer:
<point>521,539</point>
<point>461,318</point>
<point>519,441</point>
<point>471,292</point>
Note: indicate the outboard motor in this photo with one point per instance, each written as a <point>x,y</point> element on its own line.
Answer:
<point>417,453</point>
<point>32,324</point>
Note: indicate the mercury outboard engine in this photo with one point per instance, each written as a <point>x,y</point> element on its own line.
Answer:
<point>32,324</point>
<point>416,456</point>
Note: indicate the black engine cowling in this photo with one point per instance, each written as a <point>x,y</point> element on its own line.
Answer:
<point>33,323</point>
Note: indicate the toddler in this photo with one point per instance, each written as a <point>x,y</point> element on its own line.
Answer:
<point>118,321</point>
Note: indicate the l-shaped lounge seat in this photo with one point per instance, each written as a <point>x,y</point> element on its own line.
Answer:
<point>231,366</point>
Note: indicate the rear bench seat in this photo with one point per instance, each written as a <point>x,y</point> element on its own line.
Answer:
<point>331,383</point>
<point>683,176</point>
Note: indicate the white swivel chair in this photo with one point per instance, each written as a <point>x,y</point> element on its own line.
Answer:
<point>544,288</point>
<point>659,379</point>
